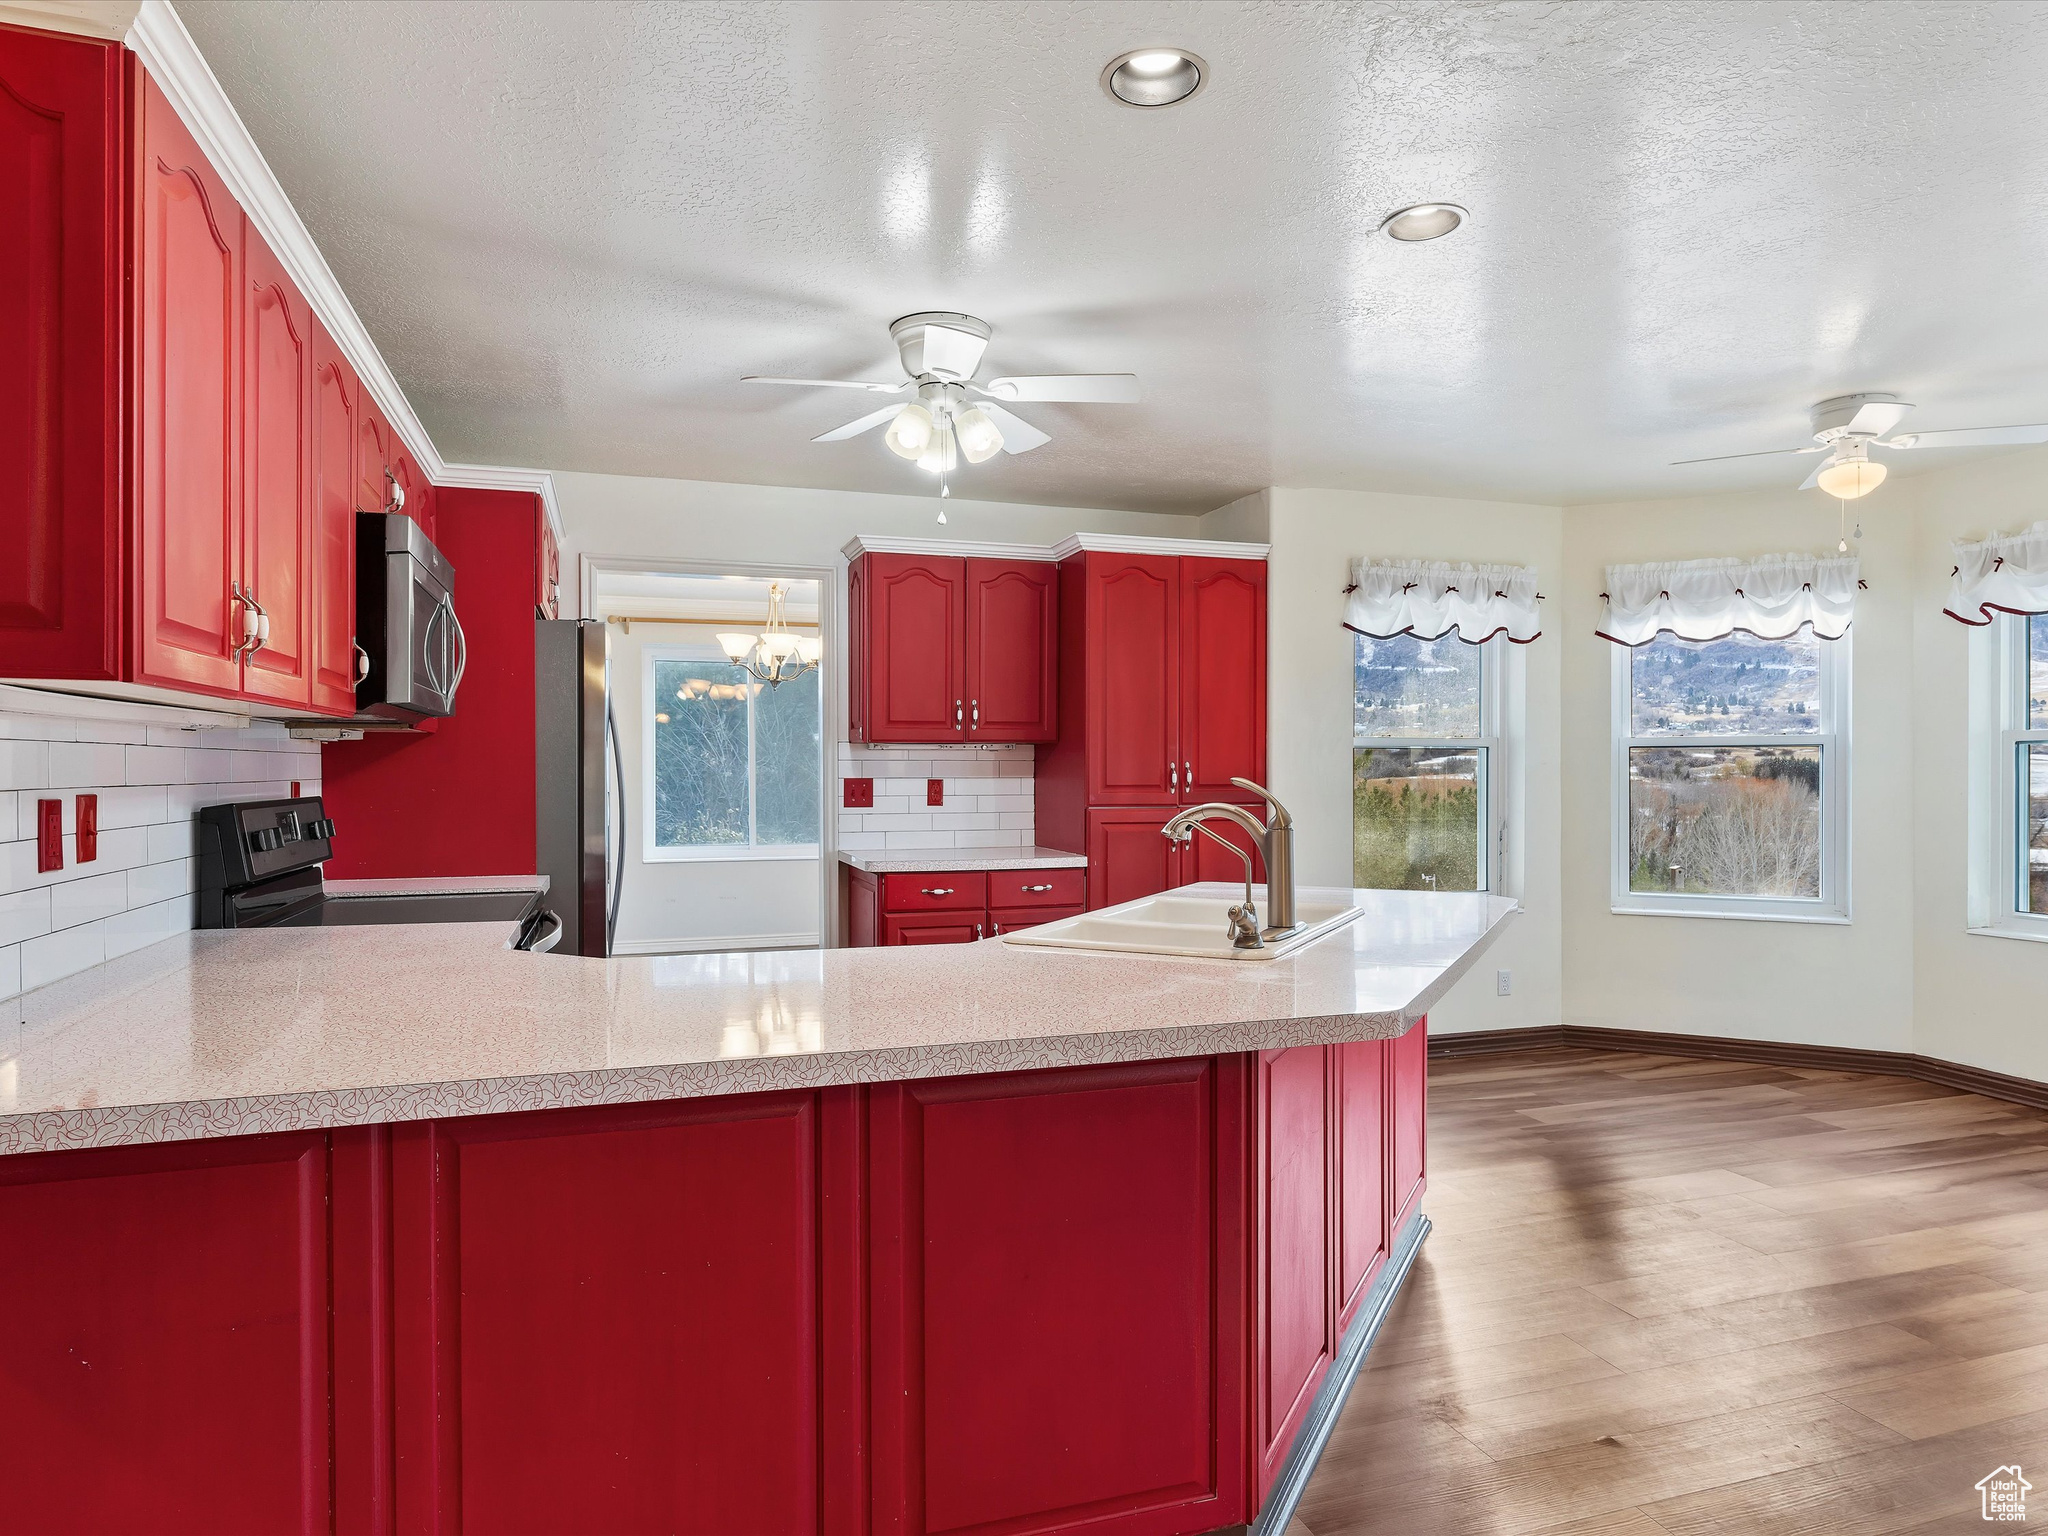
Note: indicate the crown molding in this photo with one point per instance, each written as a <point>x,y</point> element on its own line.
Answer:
<point>108,20</point>
<point>977,549</point>
<point>500,477</point>
<point>1142,544</point>
<point>166,49</point>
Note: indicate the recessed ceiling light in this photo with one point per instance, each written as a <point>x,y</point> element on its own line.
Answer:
<point>1154,77</point>
<point>1425,221</point>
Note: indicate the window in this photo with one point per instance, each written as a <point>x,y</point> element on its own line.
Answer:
<point>1729,766</point>
<point>1425,751</point>
<point>2015,740</point>
<point>732,766</point>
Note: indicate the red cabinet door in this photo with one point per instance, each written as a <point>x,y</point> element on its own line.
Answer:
<point>632,1319</point>
<point>1203,860</point>
<point>334,527</point>
<point>1359,1169</point>
<point>1222,677</point>
<point>278,557</point>
<point>1133,690</point>
<point>962,927</point>
<point>169,1372</point>
<point>374,476</point>
<point>1002,920</point>
<point>1097,1386</point>
<point>188,418</point>
<point>1011,669</point>
<point>1296,1324</point>
<point>1127,856</point>
<point>914,617</point>
<point>863,910</point>
<point>1407,1121</point>
<point>412,487</point>
<point>62,587</point>
<point>547,567</point>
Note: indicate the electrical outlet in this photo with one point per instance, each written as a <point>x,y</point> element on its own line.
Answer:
<point>1505,980</point>
<point>858,793</point>
<point>87,821</point>
<point>934,791</point>
<point>49,835</point>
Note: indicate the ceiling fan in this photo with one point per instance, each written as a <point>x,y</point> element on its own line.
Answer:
<point>1847,427</point>
<point>950,417</point>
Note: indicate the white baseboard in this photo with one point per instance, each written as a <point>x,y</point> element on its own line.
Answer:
<point>729,944</point>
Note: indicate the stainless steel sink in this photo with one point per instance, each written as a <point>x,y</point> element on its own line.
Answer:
<point>1184,922</point>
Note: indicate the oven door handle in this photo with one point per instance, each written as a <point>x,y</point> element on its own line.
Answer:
<point>541,946</point>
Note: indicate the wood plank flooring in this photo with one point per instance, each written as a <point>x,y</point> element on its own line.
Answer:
<point>1704,1298</point>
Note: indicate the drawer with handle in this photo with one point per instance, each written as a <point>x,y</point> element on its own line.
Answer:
<point>935,892</point>
<point>1035,887</point>
<point>1002,920</point>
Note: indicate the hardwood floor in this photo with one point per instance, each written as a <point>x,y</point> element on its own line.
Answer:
<point>1704,1298</point>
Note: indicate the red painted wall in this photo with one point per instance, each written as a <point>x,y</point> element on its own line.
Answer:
<point>459,800</point>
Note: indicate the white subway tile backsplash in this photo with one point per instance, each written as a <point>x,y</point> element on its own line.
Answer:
<point>989,797</point>
<point>150,780</point>
<point>63,953</point>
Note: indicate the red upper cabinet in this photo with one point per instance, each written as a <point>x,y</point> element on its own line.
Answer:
<point>62,126</point>
<point>189,302</point>
<point>1222,677</point>
<point>547,565</point>
<point>1133,708</point>
<point>1012,629</point>
<point>911,614</point>
<point>278,553</point>
<point>334,526</point>
<point>374,474</point>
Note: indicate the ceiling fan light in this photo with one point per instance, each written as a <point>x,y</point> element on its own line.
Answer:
<point>1850,478</point>
<point>943,454</point>
<point>978,436</point>
<point>910,434</point>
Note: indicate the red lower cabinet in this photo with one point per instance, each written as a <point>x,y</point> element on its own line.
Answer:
<point>168,1352</point>
<point>956,906</point>
<point>935,927</point>
<point>1094,1300</point>
<point>1058,1305</point>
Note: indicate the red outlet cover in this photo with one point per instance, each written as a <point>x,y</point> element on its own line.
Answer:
<point>87,821</point>
<point>934,791</point>
<point>49,835</point>
<point>858,792</point>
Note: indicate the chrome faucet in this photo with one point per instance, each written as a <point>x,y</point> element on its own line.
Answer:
<point>1275,837</point>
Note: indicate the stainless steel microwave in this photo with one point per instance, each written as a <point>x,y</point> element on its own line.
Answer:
<point>405,621</point>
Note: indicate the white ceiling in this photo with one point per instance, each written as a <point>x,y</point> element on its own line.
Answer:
<point>677,595</point>
<point>571,227</point>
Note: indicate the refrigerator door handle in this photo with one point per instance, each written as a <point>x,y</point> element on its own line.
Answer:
<point>615,868</point>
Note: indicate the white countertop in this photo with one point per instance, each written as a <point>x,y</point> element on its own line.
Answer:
<point>222,1033</point>
<point>436,885</point>
<point>915,861</point>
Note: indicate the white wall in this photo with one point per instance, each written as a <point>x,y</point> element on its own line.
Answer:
<point>1847,985</point>
<point>150,779</point>
<point>1314,535</point>
<point>1977,1000</point>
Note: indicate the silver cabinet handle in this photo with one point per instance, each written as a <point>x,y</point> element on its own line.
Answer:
<point>943,890</point>
<point>1037,887</point>
<point>362,660</point>
<point>1187,774</point>
<point>396,502</point>
<point>975,706</point>
<point>977,930</point>
<point>255,622</point>
<point>956,712</point>
<point>1173,776</point>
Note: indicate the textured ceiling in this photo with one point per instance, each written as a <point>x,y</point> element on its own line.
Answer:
<point>571,227</point>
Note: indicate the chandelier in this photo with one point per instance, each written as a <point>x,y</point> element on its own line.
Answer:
<point>768,656</point>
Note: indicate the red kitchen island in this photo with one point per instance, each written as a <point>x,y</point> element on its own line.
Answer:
<point>399,1230</point>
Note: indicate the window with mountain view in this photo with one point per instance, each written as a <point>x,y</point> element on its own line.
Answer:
<point>1729,751</point>
<point>1423,741</point>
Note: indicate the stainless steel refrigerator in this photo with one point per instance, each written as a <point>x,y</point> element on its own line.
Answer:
<point>580,808</point>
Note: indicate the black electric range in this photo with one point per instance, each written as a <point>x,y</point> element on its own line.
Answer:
<point>259,867</point>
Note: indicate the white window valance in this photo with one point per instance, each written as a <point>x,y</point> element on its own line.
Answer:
<point>1430,598</point>
<point>1771,597</point>
<point>2006,573</point>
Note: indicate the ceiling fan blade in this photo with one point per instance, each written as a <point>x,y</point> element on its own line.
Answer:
<point>1814,479</point>
<point>880,389</point>
<point>1069,388</point>
<point>1019,436</point>
<point>952,354</point>
<point>1879,416</point>
<point>855,428</point>
<point>1761,454</point>
<point>1973,437</point>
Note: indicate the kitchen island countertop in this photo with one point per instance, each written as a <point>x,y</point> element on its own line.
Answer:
<point>232,1033</point>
